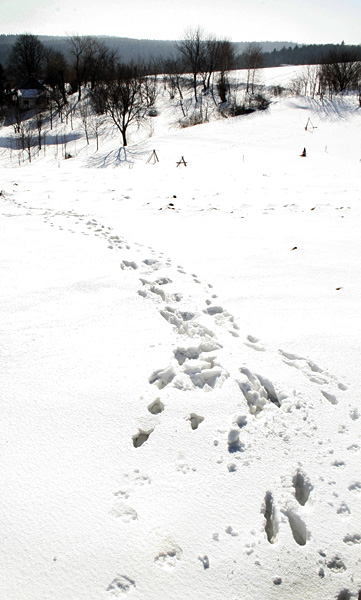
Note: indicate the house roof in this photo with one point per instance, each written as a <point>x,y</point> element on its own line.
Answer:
<point>28,94</point>
<point>30,83</point>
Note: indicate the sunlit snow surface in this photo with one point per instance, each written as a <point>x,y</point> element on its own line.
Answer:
<point>180,362</point>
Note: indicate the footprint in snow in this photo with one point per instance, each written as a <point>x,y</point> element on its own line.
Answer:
<point>353,448</point>
<point>354,414</point>
<point>184,323</point>
<point>351,540</point>
<point>141,437</point>
<point>343,510</point>
<point>123,511</point>
<point>254,343</point>
<point>258,392</point>
<point>169,557</point>
<point>222,318</point>
<point>130,482</point>
<point>355,487</point>
<point>302,486</point>
<point>330,397</point>
<point>128,264</point>
<point>298,527</point>
<point>231,531</point>
<point>185,468</point>
<point>204,560</point>
<point>311,370</point>
<point>271,525</point>
<point>336,564</point>
<point>121,585</point>
<point>195,420</point>
<point>234,443</point>
<point>156,407</point>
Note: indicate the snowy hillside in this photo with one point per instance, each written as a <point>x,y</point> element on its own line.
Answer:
<point>180,349</point>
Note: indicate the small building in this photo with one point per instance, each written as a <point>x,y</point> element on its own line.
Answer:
<point>29,93</point>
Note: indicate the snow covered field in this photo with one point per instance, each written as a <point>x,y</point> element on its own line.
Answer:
<point>180,362</point>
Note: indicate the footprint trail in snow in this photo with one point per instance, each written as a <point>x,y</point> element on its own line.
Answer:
<point>213,363</point>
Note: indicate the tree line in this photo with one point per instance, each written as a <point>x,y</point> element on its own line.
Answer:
<point>125,93</point>
<point>312,54</point>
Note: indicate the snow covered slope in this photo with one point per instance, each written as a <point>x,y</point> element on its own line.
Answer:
<point>180,349</point>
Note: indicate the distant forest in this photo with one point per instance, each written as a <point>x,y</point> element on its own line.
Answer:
<point>134,50</point>
<point>306,55</point>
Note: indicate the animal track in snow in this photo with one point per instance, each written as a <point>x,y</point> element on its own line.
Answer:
<point>234,443</point>
<point>330,397</point>
<point>302,487</point>
<point>141,437</point>
<point>271,526</point>
<point>213,310</point>
<point>354,414</point>
<point>156,407</point>
<point>345,594</point>
<point>338,464</point>
<point>231,531</point>
<point>163,281</point>
<point>131,481</point>
<point>351,540</point>
<point>254,343</point>
<point>153,263</point>
<point>169,558</point>
<point>343,510</point>
<point>122,511</point>
<point>355,487</point>
<point>336,564</point>
<point>185,468</point>
<point>258,392</point>
<point>232,467</point>
<point>195,420</point>
<point>310,369</point>
<point>128,264</point>
<point>204,560</point>
<point>222,318</point>
<point>121,585</point>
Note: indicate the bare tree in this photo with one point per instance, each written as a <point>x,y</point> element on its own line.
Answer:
<point>173,80</point>
<point>253,60</point>
<point>14,114</point>
<point>82,49</point>
<point>192,49</point>
<point>56,74</point>
<point>121,99</point>
<point>96,122</point>
<point>211,59</point>
<point>40,117</point>
<point>307,82</point>
<point>84,109</point>
<point>225,62</point>
<point>102,62</point>
<point>150,90</point>
<point>27,138</point>
<point>340,71</point>
<point>26,57</point>
<point>2,90</point>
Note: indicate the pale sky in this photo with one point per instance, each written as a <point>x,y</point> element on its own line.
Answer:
<point>302,21</point>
